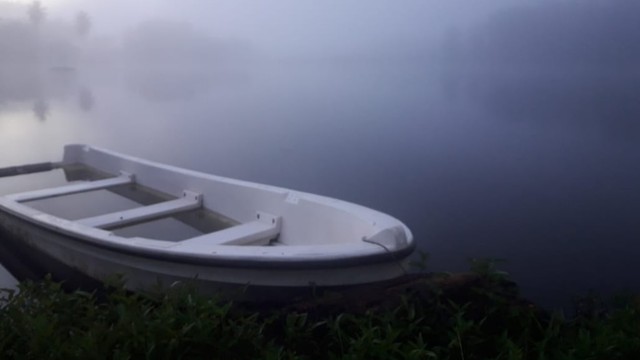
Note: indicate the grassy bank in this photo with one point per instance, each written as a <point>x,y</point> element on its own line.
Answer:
<point>476,315</point>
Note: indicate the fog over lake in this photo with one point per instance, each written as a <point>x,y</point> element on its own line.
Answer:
<point>494,129</point>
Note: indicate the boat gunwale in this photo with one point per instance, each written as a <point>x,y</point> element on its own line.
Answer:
<point>285,263</point>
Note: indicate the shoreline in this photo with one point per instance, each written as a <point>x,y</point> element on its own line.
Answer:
<point>473,315</point>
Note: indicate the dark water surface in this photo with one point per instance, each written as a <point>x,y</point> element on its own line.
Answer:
<point>6,279</point>
<point>536,162</point>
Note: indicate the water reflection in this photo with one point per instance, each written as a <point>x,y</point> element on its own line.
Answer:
<point>168,85</point>
<point>19,84</point>
<point>41,109</point>
<point>39,62</point>
<point>86,101</point>
<point>42,91</point>
<point>23,84</point>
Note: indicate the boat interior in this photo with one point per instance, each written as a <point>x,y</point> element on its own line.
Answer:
<point>86,196</point>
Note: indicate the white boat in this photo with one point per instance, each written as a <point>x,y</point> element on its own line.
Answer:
<point>273,237</point>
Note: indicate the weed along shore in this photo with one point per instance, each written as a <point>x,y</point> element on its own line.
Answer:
<point>474,315</point>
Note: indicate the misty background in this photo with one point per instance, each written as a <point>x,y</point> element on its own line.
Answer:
<point>492,129</point>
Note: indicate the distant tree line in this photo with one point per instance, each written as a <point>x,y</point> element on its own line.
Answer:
<point>32,39</point>
<point>161,42</point>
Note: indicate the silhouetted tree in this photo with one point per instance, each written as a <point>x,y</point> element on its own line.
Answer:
<point>36,13</point>
<point>83,24</point>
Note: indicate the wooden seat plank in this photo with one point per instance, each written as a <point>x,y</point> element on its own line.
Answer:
<point>251,233</point>
<point>144,213</point>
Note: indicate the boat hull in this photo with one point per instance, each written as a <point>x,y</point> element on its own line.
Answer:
<point>44,251</point>
<point>281,238</point>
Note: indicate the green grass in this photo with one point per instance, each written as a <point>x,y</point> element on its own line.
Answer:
<point>468,316</point>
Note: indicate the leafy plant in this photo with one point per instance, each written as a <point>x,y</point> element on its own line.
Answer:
<point>479,320</point>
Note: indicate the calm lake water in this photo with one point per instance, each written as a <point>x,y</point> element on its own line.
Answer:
<point>534,164</point>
